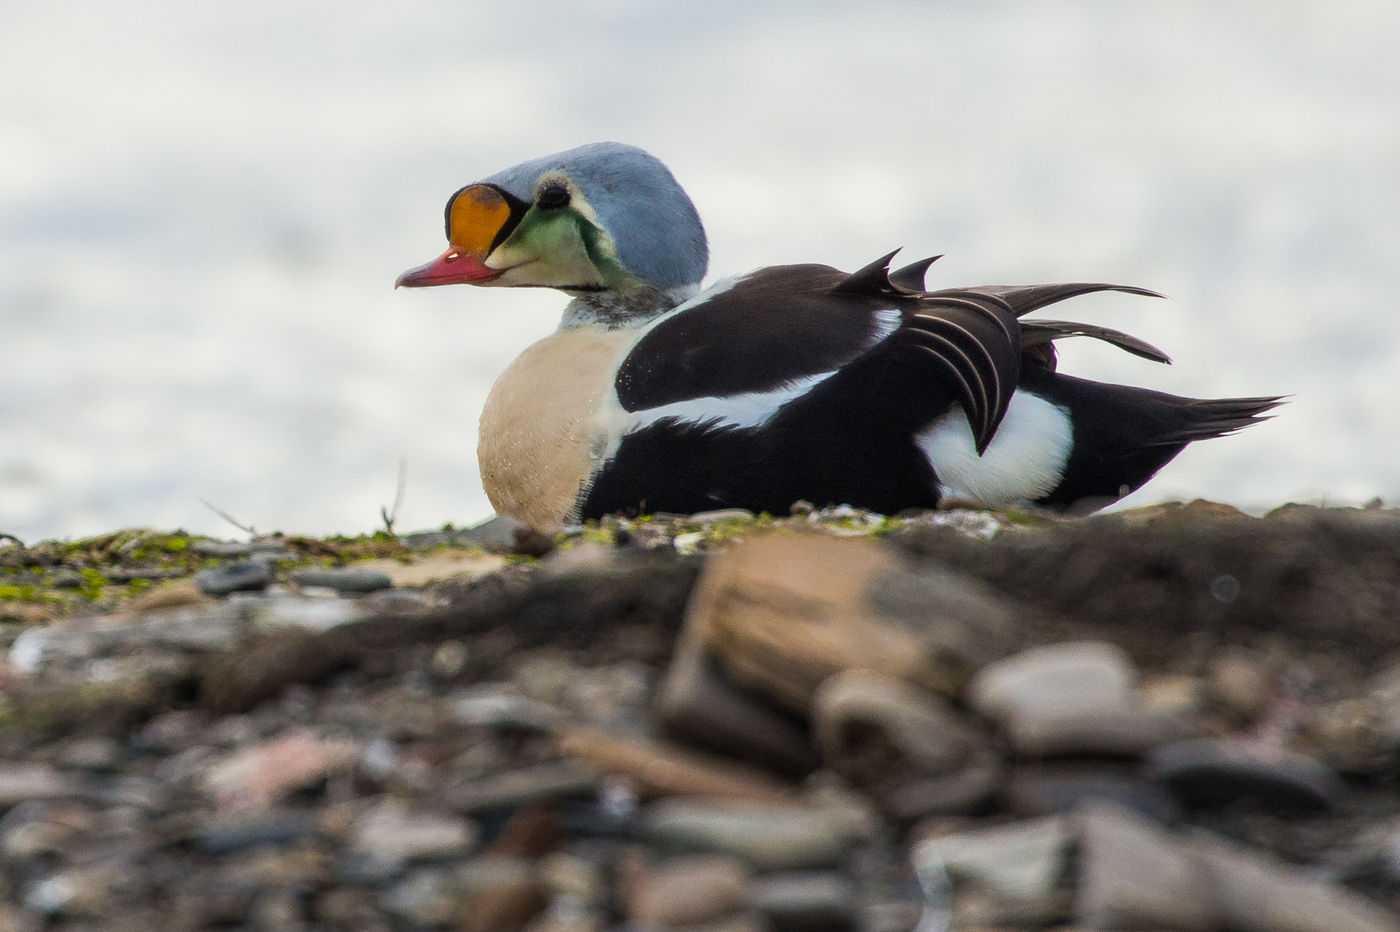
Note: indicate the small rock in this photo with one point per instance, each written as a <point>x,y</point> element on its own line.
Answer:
<point>23,782</point>
<point>661,770</point>
<point>778,836</point>
<point>1019,861</point>
<point>392,833</point>
<point>220,549</point>
<point>1053,729</point>
<point>918,732</point>
<point>1240,683</point>
<point>1051,789</point>
<point>426,896</point>
<point>278,828</point>
<point>805,902</point>
<point>497,894</point>
<point>244,576</point>
<point>721,514</point>
<point>1076,676</point>
<point>512,788</point>
<point>1213,772</point>
<point>784,612</point>
<point>501,707</point>
<point>342,579</point>
<point>1253,892</point>
<point>699,706</point>
<point>258,776</point>
<point>688,891</point>
<point>882,734</point>
<point>1133,875</point>
<point>1384,692</point>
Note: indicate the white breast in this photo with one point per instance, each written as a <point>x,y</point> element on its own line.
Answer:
<point>1024,461</point>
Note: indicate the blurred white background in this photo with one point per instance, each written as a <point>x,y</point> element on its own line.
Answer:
<point>203,209</point>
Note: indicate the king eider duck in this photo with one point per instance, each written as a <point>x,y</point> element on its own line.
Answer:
<point>793,382</point>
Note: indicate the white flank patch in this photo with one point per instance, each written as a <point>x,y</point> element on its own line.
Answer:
<point>1024,461</point>
<point>751,409</point>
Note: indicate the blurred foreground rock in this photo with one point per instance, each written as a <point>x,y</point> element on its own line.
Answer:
<point>1173,718</point>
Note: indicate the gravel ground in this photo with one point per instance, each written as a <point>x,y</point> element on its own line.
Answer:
<point>1179,717</point>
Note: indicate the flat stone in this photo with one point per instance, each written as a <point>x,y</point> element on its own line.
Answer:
<point>1254,893</point>
<point>778,836</point>
<point>24,782</point>
<point>1061,788</point>
<point>282,611</point>
<point>919,730</point>
<point>884,736</point>
<point>1134,875</point>
<point>497,893</point>
<point>1017,861</point>
<point>666,770</point>
<point>784,612</point>
<point>810,901</point>
<point>1239,683</point>
<point>497,706</point>
<point>1052,729</point>
<point>699,706</point>
<point>392,833</point>
<point>512,788</point>
<point>688,890</point>
<point>1383,690</point>
<point>220,549</point>
<point>1068,677</point>
<point>275,828</point>
<point>966,791</point>
<point>1213,772</point>
<point>260,775</point>
<point>243,576</point>
<point>347,579</point>
<point>425,896</point>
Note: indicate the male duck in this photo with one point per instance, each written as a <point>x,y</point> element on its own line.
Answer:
<point>792,382</point>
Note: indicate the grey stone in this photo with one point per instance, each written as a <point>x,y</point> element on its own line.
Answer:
<point>392,833</point>
<point>808,901</point>
<point>342,579</point>
<point>1061,788</point>
<point>1054,728</point>
<point>243,576</point>
<point>777,836</point>
<point>1217,771</point>
<point>965,791</point>
<point>425,896</point>
<point>698,705</point>
<point>511,788</point>
<point>1083,675</point>
<point>1133,875</point>
<point>276,828</point>
<point>1253,893</point>
<point>498,706</point>
<point>220,549</point>
<point>914,732</point>
<point>23,782</point>
<point>1018,861</point>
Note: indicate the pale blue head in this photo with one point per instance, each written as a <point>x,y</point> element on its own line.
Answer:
<point>601,217</point>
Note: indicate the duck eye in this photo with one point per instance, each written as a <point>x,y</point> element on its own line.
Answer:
<point>552,197</point>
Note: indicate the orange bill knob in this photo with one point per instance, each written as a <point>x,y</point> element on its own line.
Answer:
<point>476,217</point>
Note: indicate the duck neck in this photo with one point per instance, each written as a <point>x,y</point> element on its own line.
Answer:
<point>616,310</point>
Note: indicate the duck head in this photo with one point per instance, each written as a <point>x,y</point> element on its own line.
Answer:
<point>601,219</point>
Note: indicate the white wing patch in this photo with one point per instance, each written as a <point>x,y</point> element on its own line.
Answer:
<point>1025,460</point>
<point>750,409</point>
<point>887,322</point>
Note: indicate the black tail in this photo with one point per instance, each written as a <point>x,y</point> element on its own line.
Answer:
<point>1123,435</point>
